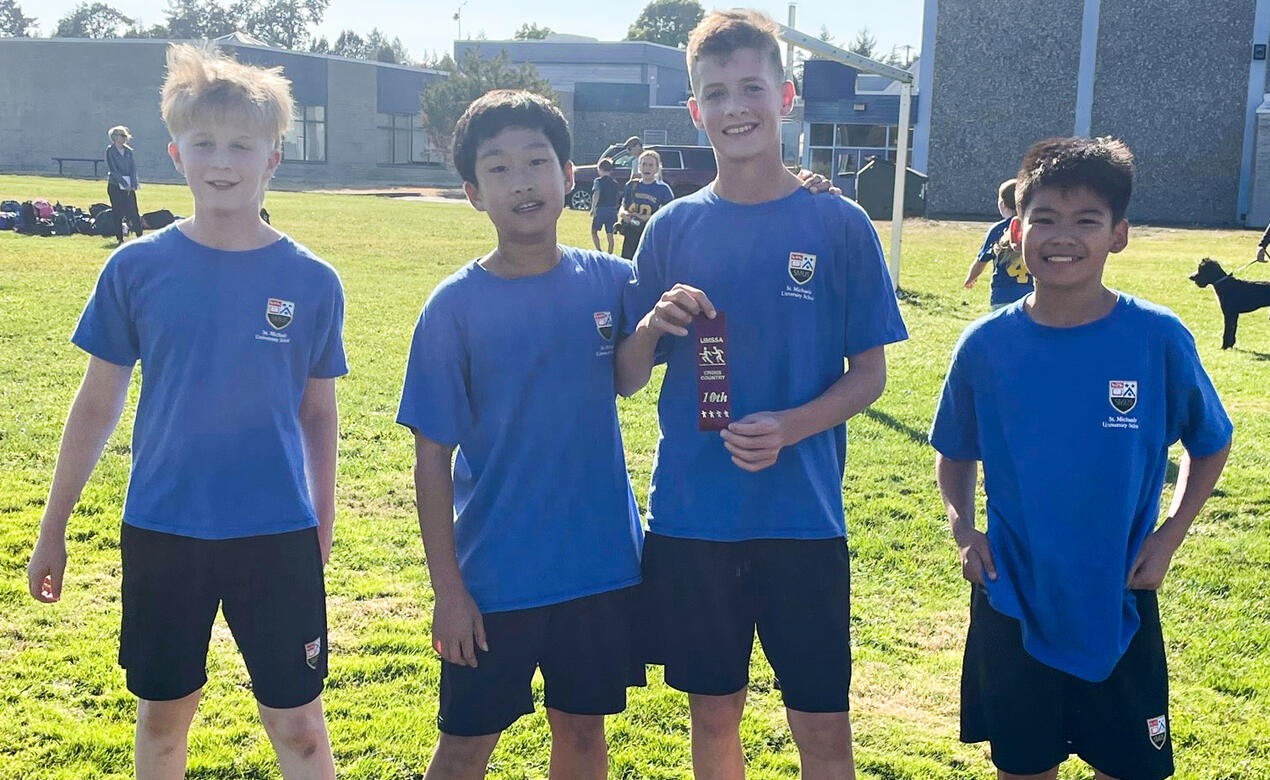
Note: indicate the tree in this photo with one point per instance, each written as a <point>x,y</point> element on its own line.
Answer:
<point>530,31</point>
<point>349,44</point>
<point>380,49</point>
<point>95,20</point>
<point>282,23</point>
<point>444,100</point>
<point>666,21</point>
<point>196,19</point>
<point>13,23</point>
<point>865,44</point>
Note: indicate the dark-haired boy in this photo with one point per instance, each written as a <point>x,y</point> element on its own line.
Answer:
<point>1064,653</point>
<point>1010,279</point>
<point>512,364</point>
<point>746,527</point>
<point>604,192</point>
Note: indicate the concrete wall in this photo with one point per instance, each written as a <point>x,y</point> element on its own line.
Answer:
<point>1172,81</point>
<point>104,83</point>
<point>1001,81</point>
<point>1170,78</point>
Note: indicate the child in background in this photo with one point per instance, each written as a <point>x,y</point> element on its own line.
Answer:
<point>641,199</point>
<point>1010,278</point>
<point>604,203</point>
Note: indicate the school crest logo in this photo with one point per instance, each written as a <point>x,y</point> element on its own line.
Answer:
<point>604,324</point>
<point>1158,730</point>
<point>802,267</point>
<point>311,652</point>
<point>1123,395</point>
<point>278,313</point>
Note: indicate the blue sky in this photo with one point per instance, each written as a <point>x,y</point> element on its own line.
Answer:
<point>429,25</point>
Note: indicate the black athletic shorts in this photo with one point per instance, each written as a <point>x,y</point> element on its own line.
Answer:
<point>1036,716</point>
<point>704,600</point>
<point>270,589</point>
<point>586,651</point>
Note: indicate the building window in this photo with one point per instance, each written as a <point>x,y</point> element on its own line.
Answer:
<point>654,137</point>
<point>821,134</point>
<point>306,140</point>
<point>822,161</point>
<point>404,141</point>
<point>867,136</point>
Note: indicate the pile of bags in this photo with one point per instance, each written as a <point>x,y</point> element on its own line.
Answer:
<point>40,218</point>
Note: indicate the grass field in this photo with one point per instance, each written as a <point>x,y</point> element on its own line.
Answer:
<point>64,711</point>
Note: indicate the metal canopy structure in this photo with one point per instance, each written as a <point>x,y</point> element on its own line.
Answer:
<point>864,64</point>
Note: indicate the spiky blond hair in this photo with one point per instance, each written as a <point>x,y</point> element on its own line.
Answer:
<point>202,81</point>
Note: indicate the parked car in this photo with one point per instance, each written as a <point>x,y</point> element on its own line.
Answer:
<point>685,168</point>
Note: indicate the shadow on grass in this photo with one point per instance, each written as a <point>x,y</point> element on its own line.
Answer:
<point>882,418</point>
<point>934,303</point>
<point>1255,355</point>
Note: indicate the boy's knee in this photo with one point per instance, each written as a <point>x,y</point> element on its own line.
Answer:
<point>166,721</point>
<point>301,731</point>
<point>716,717</point>
<point>579,733</point>
<point>824,736</point>
<point>457,755</point>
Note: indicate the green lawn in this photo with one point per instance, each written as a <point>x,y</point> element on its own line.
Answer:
<point>64,711</point>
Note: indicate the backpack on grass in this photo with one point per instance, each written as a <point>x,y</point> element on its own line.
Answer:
<point>153,220</point>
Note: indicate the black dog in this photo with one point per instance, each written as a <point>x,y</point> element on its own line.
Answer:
<point>1234,295</point>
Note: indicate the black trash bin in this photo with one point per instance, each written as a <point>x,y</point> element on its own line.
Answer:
<point>875,190</point>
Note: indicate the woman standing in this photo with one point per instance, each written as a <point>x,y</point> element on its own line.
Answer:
<point>122,185</point>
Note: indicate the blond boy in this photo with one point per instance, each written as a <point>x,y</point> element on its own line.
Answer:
<point>230,501</point>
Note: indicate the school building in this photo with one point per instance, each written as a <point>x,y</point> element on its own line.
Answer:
<point>1184,83</point>
<point>608,90</point>
<point>356,122</point>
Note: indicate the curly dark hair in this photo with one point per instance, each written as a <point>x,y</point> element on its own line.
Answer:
<point>1104,165</point>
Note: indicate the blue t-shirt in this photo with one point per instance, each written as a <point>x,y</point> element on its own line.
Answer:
<point>518,374</point>
<point>1073,426</point>
<point>643,200</point>
<point>1010,277</point>
<point>803,283</point>
<point>227,342</point>
<point>604,189</point>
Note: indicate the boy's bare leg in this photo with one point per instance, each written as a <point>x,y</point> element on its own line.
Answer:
<point>461,758</point>
<point>163,729</point>
<point>578,748</point>
<point>610,235</point>
<point>595,239</point>
<point>716,736</point>
<point>824,744</point>
<point>299,737</point>
<point>1050,775</point>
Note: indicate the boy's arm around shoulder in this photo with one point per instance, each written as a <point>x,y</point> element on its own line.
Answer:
<point>93,416</point>
<point>319,427</point>
<point>457,626</point>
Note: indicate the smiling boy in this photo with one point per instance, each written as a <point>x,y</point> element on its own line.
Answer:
<point>231,495</point>
<point>746,527</point>
<point>532,538</point>
<point>1073,423</point>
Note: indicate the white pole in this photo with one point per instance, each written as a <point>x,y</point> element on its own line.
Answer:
<point>901,176</point>
<point>789,47</point>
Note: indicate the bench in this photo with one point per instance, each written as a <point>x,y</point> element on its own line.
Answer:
<point>93,160</point>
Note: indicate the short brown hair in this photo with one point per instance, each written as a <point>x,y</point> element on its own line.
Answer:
<point>605,164</point>
<point>1005,193</point>
<point>201,80</point>
<point>721,33</point>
